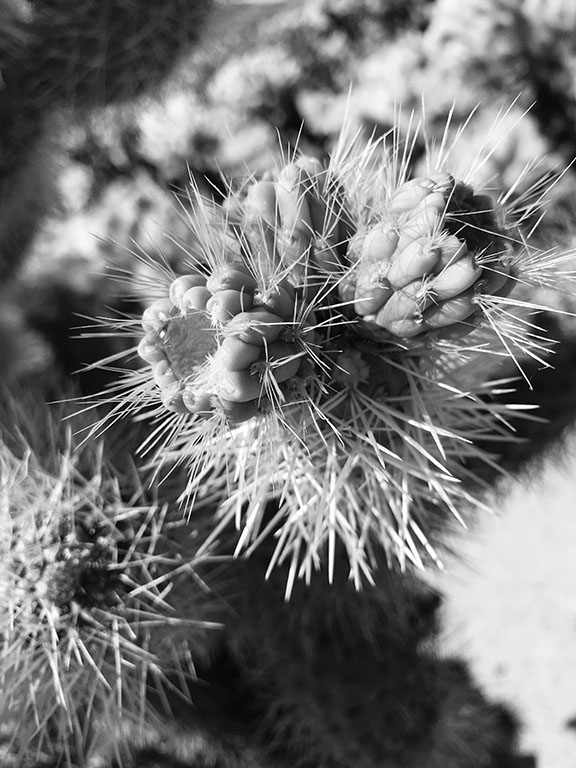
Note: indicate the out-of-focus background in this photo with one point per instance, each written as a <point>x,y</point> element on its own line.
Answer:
<point>510,608</point>
<point>270,76</point>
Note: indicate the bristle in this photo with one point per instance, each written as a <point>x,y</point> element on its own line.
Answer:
<point>85,579</point>
<point>373,439</point>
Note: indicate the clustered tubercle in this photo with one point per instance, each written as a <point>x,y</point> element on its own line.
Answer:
<point>302,292</point>
<point>252,342</point>
<point>71,577</point>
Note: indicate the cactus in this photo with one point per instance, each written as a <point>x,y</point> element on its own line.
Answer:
<point>87,627</point>
<point>324,348</point>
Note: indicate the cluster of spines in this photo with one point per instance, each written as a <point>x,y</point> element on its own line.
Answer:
<point>253,304</point>
<point>399,289</point>
<point>85,579</point>
<point>252,343</point>
<point>420,268</point>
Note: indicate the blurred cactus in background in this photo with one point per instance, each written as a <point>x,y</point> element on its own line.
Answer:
<point>90,644</point>
<point>59,55</point>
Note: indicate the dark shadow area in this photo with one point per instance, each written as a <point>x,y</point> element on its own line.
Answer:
<point>553,390</point>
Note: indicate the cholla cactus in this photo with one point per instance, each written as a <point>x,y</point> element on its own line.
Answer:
<point>87,623</point>
<point>329,350</point>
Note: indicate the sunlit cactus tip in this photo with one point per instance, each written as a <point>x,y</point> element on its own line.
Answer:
<point>327,358</point>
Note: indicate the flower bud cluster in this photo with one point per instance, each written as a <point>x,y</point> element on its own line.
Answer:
<point>437,246</point>
<point>220,343</point>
